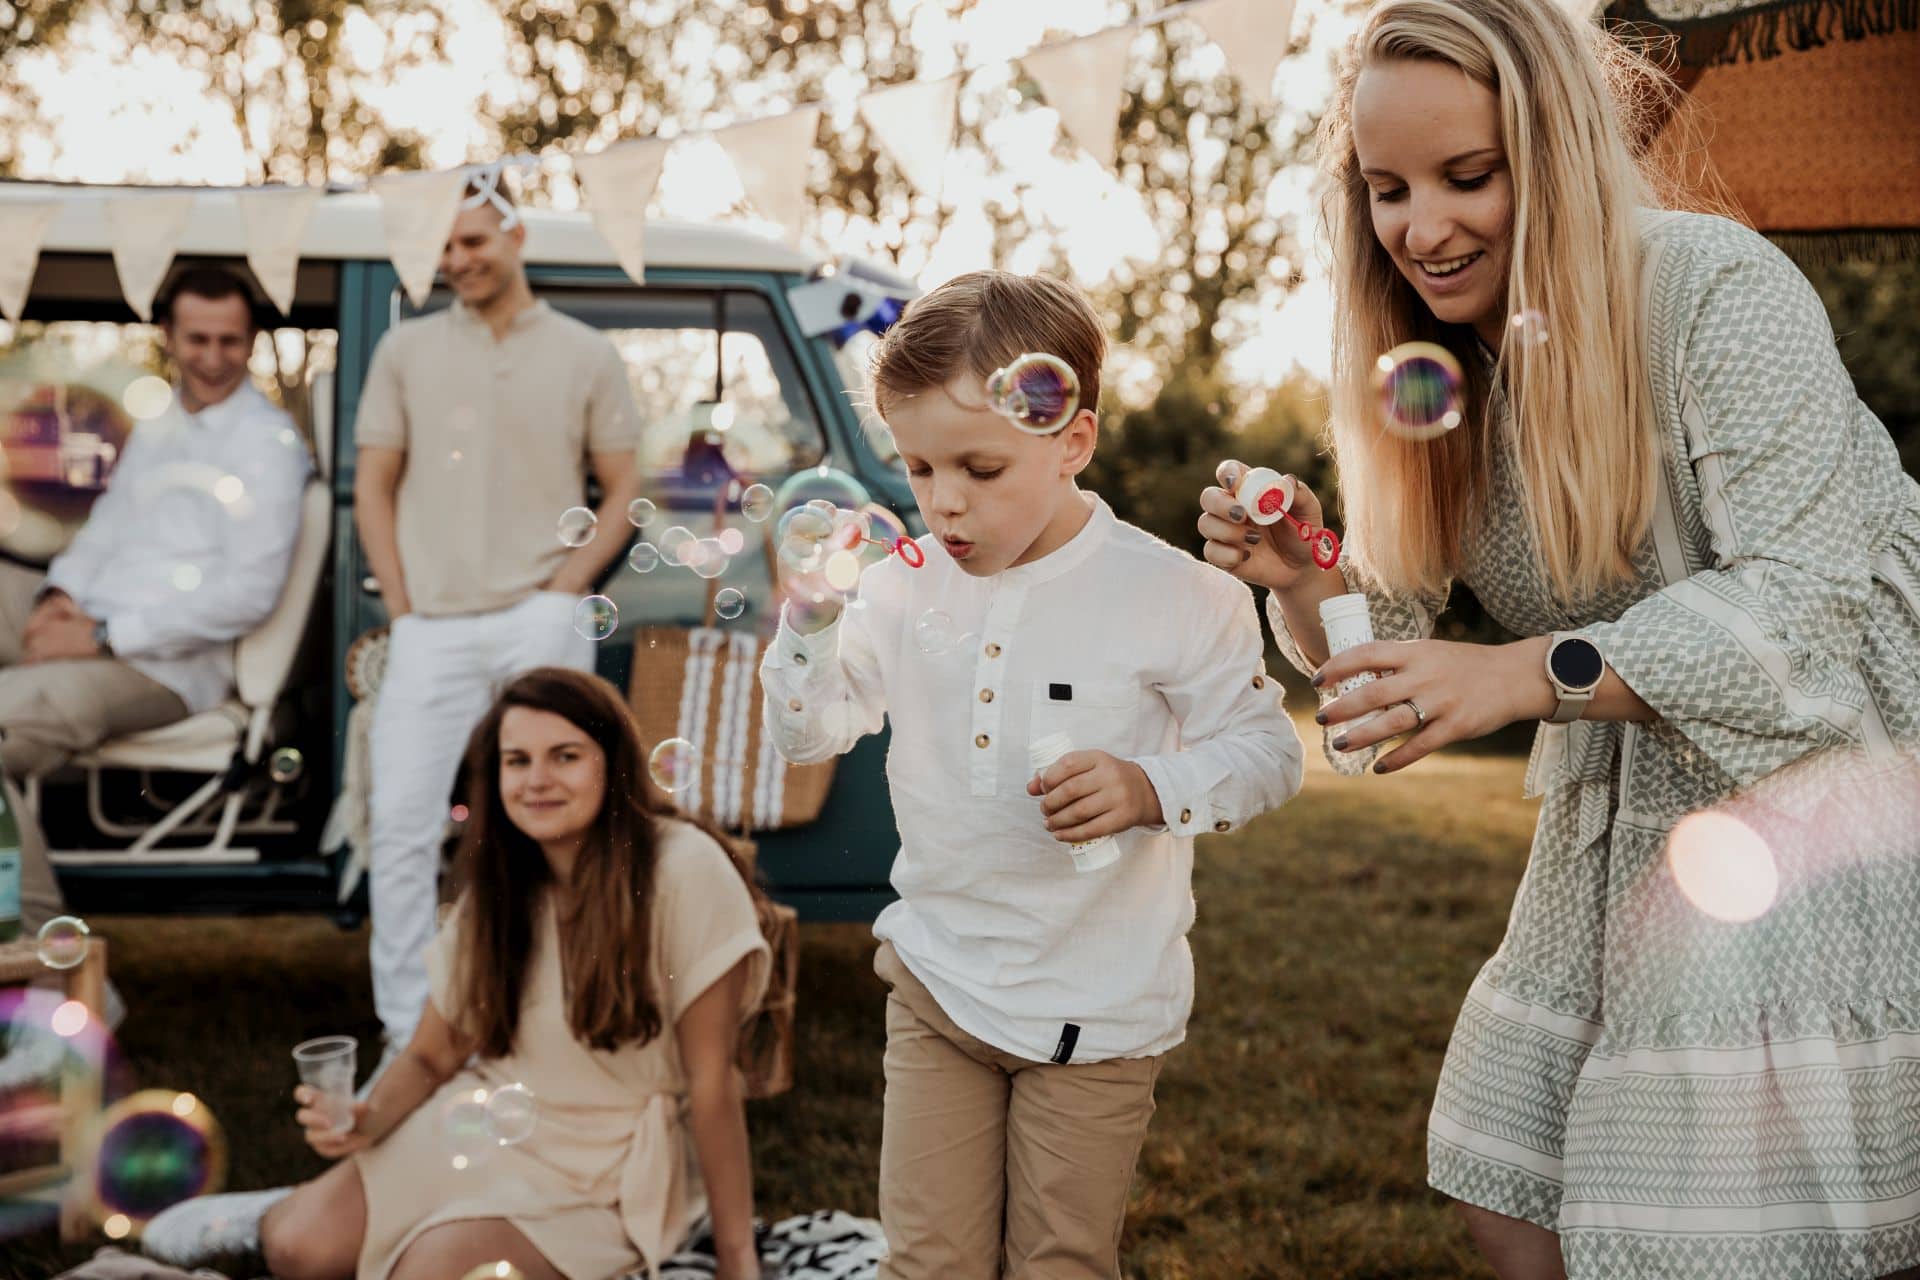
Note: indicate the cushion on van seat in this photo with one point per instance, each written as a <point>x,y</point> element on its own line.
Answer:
<point>200,743</point>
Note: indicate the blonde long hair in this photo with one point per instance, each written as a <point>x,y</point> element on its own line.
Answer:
<point>1580,411</point>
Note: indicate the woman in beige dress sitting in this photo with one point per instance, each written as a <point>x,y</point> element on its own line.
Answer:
<point>600,955</point>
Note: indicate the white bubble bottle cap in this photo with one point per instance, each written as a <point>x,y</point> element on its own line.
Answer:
<point>1264,494</point>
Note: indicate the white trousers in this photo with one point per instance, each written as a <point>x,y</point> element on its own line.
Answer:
<point>442,675</point>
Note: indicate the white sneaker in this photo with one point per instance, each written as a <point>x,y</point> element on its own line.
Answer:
<point>209,1227</point>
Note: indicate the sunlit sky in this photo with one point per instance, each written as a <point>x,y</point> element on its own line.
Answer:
<point>114,113</point>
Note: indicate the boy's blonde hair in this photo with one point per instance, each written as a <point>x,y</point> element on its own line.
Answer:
<point>982,321</point>
<point>1580,420</point>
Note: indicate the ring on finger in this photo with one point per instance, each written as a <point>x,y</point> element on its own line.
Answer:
<point>1419,716</point>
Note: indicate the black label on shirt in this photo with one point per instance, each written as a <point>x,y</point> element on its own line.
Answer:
<point>1069,1037</point>
<point>1060,692</point>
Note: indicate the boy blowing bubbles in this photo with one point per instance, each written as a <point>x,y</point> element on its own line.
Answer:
<point>1031,1004</point>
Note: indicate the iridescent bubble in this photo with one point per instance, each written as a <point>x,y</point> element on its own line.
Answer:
<point>713,561</point>
<point>822,483</point>
<point>730,603</point>
<point>512,1112</point>
<point>62,943</point>
<point>156,1148</point>
<point>643,558</point>
<point>641,512</point>
<point>285,765</point>
<point>463,1128</point>
<point>595,617</point>
<point>806,522</point>
<point>731,541</point>
<point>576,526</point>
<point>671,764</point>
<point>1418,385</point>
<point>147,397</point>
<point>883,524</point>
<point>674,543</point>
<point>934,632</point>
<point>1037,392</point>
<point>757,503</point>
<point>801,555</point>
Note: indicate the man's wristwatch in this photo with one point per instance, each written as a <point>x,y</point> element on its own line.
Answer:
<point>1574,667</point>
<point>100,640</point>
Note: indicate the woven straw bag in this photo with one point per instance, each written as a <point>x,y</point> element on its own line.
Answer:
<point>702,684</point>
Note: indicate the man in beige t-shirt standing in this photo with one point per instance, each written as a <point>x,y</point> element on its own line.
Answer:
<point>474,432</point>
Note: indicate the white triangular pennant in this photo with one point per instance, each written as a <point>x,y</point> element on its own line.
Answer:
<point>276,219</point>
<point>619,182</point>
<point>1082,80</point>
<point>1253,34</point>
<point>23,225</point>
<point>417,210</point>
<point>145,230</point>
<point>913,123</point>
<point>772,158</point>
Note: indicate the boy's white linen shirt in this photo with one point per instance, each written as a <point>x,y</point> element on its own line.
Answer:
<point>1159,659</point>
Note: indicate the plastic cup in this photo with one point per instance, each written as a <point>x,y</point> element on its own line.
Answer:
<point>328,1064</point>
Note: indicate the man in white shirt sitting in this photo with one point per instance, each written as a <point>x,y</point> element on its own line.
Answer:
<point>133,625</point>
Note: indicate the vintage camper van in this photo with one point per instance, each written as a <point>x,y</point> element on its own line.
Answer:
<point>742,352</point>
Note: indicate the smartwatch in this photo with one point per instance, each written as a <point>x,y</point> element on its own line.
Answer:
<point>100,640</point>
<point>1574,667</point>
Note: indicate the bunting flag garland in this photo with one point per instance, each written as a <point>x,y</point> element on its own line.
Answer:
<point>913,124</point>
<point>1083,81</point>
<point>146,229</point>
<point>23,225</point>
<point>772,157</point>
<point>276,218</point>
<point>418,210</point>
<point>619,183</point>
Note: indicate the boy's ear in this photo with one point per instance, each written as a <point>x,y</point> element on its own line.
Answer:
<point>1077,441</point>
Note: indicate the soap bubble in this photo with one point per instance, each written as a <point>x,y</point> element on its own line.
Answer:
<point>757,503</point>
<point>708,558</point>
<point>671,764</point>
<point>62,943</point>
<point>934,632</point>
<point>1529,328</point>
<point>595,617</point>
<point>1418,385</point>
<point>801,555</point>
<point>730,603</point>
<point>463,1128</point>
<point>731,541</point>
<point>641,512</point>
<point>643,558</point>
<point>1038,393</point>
<point>674,543</point>
<point>576,526</point>
<point>285,765</point>
<point>156,1148</point>
<point>806,522</point>
<point>512,1112</point>
<point>823,483</point>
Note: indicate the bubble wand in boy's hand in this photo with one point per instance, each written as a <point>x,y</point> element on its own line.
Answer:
<point>1267,497</point>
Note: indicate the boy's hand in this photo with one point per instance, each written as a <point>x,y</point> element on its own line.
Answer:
<point>1089,794</point>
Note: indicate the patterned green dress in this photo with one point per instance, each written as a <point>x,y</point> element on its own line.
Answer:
<point>1677,1092</point>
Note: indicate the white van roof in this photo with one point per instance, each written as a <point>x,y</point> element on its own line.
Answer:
<point>347,226</point>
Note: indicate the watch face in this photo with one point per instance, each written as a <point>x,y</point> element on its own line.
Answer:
<point>1576,663</point>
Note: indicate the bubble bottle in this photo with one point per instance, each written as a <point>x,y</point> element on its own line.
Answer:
<point>1088,855</point>
<point>1347,623</point>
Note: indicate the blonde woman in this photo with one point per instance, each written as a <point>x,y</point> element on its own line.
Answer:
<point>1662,476</point>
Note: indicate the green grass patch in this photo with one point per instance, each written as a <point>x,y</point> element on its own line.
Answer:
<point>1334,942</point>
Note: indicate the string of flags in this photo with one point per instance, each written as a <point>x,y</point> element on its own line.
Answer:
<point>1082,79</point>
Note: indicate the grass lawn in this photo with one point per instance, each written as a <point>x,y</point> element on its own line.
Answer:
<point>1335,940</point>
